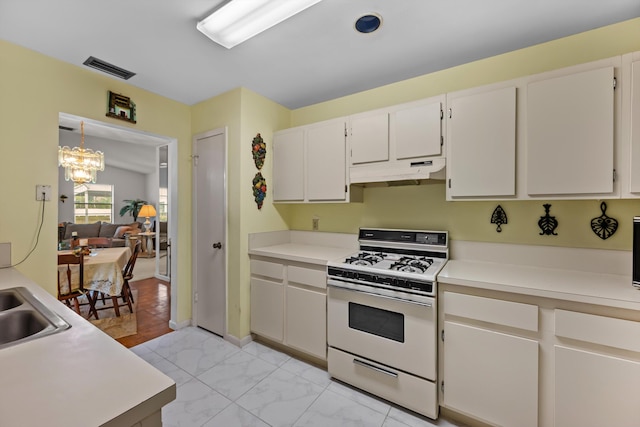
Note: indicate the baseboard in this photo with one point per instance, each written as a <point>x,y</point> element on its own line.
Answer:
<point>237,341</point>
<point>175,326</point>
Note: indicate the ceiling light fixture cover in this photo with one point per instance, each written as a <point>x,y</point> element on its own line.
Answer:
<point>239,20</point>
<point>368,23</point>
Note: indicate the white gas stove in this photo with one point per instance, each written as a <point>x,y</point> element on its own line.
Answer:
<point>400,260</point>
<point>382,316</point>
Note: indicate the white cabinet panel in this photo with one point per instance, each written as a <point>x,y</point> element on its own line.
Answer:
<point>570,130</point>
<point>307,321</point>
<point>635,127</point>
<point>481,129</point>
<point>490,375</point>
<point>369,137</point>
<point>326,161</point>
<point>595,390</point>
<point>288,165</point>
<point>417,131</point>
<point>267,308</point>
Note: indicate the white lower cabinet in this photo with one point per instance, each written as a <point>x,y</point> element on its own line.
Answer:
<point>267,291</point>
<point>292,309</point>
<point>597,371</point>
<point>489,374</point>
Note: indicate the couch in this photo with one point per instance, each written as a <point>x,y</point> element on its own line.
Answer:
<point>116,232</point>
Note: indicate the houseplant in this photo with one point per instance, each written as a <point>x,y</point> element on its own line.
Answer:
<point>132,206</point>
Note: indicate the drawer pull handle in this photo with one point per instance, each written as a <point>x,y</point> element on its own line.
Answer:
<point>375,368</point>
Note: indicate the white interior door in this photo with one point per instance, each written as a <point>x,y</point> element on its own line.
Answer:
<point>209,231</point>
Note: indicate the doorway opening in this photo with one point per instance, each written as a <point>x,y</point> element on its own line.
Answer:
<point>139,165</point>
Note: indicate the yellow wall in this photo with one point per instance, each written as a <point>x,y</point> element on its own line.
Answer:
<point>245,114</point>
<point>33,90</point>
<point>424,207</point>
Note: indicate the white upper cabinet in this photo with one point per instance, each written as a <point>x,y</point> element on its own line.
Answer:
<point>288,165</point>
<point>481,132</point>
<point>326,161</point>
<point>401,142</point>
<point>570,134</point>
<point>309,164</point>
<point>369,137</point>
<point>634,128</point>
<point>416,130</point>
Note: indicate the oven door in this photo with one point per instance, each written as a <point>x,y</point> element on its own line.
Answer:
<point>394,332</point>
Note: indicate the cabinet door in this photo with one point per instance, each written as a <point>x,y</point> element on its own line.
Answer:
<point>482,144</point>
<point>326,161</point>
<point>307,321</point>
<point>267,308</point>
<point>635,127</point>
<point>417,130</point>
<point>570,134</point>
<point>288,165</point>
<point>593,389</point>
<point>369,137</point>
<point>490,375</point>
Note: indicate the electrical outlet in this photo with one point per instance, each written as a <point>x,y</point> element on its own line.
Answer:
<point>315,224</point>
<point>43,191</point>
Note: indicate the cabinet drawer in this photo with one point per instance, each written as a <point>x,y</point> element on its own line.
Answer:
<point>506,313</point>
<point>268,269</point>
<point>307,276</point>
<point>618,333</point>
<point>414,393</point>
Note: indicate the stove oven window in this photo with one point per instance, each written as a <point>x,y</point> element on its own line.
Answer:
<point>383,323</point>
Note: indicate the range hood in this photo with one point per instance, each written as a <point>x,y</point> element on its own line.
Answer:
<point>399,172</point>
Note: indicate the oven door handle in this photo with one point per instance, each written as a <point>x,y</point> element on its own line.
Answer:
<point>375,368</point>
<point>423,304</point>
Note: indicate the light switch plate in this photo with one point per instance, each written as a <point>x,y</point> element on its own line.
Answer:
<point>5,254</point>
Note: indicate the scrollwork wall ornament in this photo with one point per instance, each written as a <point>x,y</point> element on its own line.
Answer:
<point>604,226</point>
<point>499,217</point>
<point>548,223</point>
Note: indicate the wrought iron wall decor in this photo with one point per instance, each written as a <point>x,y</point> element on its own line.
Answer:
<point>259,151</point>
<point>499,217</point>
<point>548,223</point>
<point>259,189</point>
<point>604,226</point>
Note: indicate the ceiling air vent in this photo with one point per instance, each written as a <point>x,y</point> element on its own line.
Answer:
<point>65,128</point>
<point>103,66</point>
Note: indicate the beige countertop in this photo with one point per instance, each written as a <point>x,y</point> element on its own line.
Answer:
<point>77,377</point>
<point>611,290</point>
<point>311,254</point>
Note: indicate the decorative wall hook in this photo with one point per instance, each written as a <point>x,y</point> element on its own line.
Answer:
<point>548,223</point>
<point>499,217</point>
<point>259,151</point>
<point>604,226</point>
<point>259,189</point>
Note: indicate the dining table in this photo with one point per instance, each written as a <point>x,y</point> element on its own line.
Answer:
<point>102,269</point>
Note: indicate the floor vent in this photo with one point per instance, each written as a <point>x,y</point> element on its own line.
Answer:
<point>103,66</point>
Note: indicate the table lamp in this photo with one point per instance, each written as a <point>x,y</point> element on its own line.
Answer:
<point>147,211</point>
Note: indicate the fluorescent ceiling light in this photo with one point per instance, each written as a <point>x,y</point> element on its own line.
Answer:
<point>239,20</point>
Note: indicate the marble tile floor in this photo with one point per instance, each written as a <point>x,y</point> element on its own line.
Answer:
<point>219,384</point>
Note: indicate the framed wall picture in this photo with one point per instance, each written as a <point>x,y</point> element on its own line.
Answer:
<point>121,107</point>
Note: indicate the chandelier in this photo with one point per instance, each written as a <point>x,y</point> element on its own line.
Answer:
<point>80,164</point>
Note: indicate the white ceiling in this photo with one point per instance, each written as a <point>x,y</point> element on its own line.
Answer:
<point>312,57</point>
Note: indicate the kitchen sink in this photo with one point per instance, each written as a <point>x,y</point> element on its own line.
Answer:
<point>23,318</point>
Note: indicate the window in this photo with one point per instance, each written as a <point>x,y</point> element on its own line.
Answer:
<point>162,204</point>
<point>92,203</point>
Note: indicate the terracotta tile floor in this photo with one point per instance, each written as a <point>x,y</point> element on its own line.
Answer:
<point>153,311</point>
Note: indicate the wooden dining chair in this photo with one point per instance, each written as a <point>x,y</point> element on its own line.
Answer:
<point>72,288</point>
<point>94,242</point>
<point>126,294</point>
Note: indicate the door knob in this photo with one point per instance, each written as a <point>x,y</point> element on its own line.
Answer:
<point>217,245</point>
